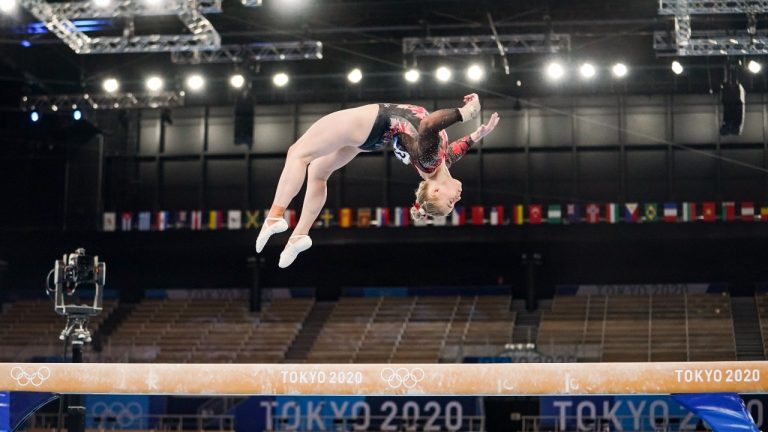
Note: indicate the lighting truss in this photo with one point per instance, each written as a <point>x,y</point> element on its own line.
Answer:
<point>129,8</point>
<point>712,7</point>
<point>65,102</point>
<point>487,44</point>
<point>278,51</point>
<point>712,43</point>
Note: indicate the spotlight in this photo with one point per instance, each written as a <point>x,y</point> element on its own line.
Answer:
<point>26,43</point>
<point>412,75</point>
<point>443,74</point>
<point>587,71</point>
<point>77,115</point>
<point>280,79</point>
<point>237,81</point>
<point>101,3</point>
<point>154,83</point>
<point>195,82</point>
<point>620,70</point>
<point>110,85</point>
<point>475,73</point>
<point>354,76</point>
<point>555,71</point>
<point>34,116</point>
<point>7,6</point>
<point>54,108</point>
<point>677,68</point>
<point>754,67</point>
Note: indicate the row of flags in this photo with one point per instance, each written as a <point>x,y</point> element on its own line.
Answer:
<point>532,214</point>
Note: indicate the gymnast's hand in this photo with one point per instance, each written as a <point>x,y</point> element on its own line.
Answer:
<point>485,129</point>
<point>471,107</point>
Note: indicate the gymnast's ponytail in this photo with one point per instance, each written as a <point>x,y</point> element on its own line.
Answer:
<point>425,205</point>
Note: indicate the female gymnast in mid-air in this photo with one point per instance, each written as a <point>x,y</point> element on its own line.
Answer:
<point>418,138</point>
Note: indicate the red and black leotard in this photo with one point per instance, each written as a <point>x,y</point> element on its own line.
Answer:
<point>419,133</point>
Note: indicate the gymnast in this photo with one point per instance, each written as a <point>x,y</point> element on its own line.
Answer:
<point>417,137</point>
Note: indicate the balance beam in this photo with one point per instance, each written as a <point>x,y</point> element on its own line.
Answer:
<point>386,379</point>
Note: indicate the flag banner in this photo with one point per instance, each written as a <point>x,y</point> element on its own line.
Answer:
<point>708,212</point>
<point>197,220</point>
<point>612,213</point>
<point>497,215</point>
<point>109,221</point>
<point>535,214</point>
<point>290,216</point>
<point>651,212</point>
<point>747,211</point>
<point>493,217</point>
<point>572,213</point>
<point>364,217</point>
<point>728,211</point>
<point>670,212</point>
<point>327,217</point>
<point>518,214</point>
<point>215,219</point>
<point>440,221</point>
<point>161,220</point>
<point>764,214</point>
<point>235,219</point>
<point>382,216</point>
<point>631,212</point>
<point>459,216</point>
<point>182,220</point>
<point>554,214</point>
<point>593,213</point>
<point>402,216</point>
<point>478,215</point>
<point>126,221</point>
<point>145,221</point>
<point>689,212</point>
<point>252,219</point>
<point>345,217</point>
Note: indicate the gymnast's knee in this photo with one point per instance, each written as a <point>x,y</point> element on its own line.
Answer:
<point>316,174</point>
<point>296,152</point>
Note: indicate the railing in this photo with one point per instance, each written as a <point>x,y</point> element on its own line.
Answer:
<point>221,423</point>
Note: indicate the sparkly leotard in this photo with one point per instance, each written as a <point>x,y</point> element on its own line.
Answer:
<point>421,134</point>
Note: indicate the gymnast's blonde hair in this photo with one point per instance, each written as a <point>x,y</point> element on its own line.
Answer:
<point>425,205</point>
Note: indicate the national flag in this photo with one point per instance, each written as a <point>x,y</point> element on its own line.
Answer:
<point>327,217</point>
<point>402,214</point>
<point>440,220</point>
<point>593,213</point>
<point>215,219</point>
<point>364,217</point>
<point>182,220</point>
<point>235,219</point>
<point>478,215</point>
<point>572,213</point>
<point>458,216</point>
<point>612,213</point>
<point>689,212</point>
<point>497,215</point>
<point>631,212</point>
<point>109,221</point>
<point>535,214</point>
<point>197,220</point>
<point>126,221</point>
<point>670,212</point>
<point>708,211</point>
<point>554,214</point>
<point>161,220</point>
<point>747,211</point>
<point>145,221</point>
<point>764,214</point>
<point>728,211</point>
<point>518,214</point>
<point>651,212</point>
<point>382,216</point>
<point>252,219</point>
<point>345,217</point>
<point>290,217</point>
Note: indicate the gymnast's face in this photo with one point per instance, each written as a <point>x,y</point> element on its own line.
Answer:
<point>446,194</point>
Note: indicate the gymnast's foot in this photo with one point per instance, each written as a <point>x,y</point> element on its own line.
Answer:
<point>296,245</point>
<point>271,226</point>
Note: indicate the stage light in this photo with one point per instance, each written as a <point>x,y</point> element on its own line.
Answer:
<point>26,43</point>
<point>34,116</point>
<point>154,83</point>
<point>110,85</point>
<point>101,3</point>
<point>412,75</point>
<point>195,82</point>
<point>280,79</point>
<point>754,67</point>
<point>587,71</point>
<point>7,6</point>
<point>443,74</point>
<point>77,115</point>
<point>237,81</point>
<point>54,108</point>
<point>354,76</point>
<point>620,70</point>
<point>555,71</point>
<point>475,73</point>
<point>677,68</point>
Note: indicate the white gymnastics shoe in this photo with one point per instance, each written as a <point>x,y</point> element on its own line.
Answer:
<point>296,245</point>
<point>278,225</point>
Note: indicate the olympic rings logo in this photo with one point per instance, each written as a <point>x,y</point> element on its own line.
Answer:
<point>121,413</point>
<point>402,377</point>
<point>24,378</point>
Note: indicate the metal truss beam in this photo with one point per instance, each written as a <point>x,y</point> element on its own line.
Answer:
<point>129,8</point>
<point>712,7</point>
<point>62,27</point>
<point>279,51</point>
<point>712,43</point>
<point>487,44</point>
<point>251,3</point>
<point>66,102</point>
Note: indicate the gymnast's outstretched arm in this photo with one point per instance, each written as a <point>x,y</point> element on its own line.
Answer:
<point>461,146</point>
